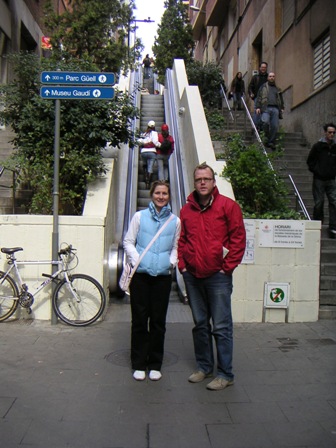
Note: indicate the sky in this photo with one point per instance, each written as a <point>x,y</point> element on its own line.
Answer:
<point>147,31</point>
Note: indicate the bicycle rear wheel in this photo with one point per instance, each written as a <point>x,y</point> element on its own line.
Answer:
<point>8,296</point>
<point>79,302</point>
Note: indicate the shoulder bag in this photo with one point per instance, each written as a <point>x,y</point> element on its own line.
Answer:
<point>129,270</point>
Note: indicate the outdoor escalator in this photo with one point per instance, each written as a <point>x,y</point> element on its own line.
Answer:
<point>158,108</point>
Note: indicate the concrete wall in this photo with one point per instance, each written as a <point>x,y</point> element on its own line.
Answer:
<point>91,234</point>
<point>197,145</point>
<point>300,268</point>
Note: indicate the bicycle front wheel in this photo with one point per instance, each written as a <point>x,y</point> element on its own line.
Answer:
<point>79,302</point>
<point>8,296</point>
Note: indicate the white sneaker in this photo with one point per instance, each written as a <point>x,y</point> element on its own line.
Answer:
<point>155,375</point>
<point>139,375</point>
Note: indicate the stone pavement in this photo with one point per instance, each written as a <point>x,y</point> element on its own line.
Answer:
<point>72,387</point>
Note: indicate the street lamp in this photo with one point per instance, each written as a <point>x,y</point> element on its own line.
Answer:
<point>148,20</point>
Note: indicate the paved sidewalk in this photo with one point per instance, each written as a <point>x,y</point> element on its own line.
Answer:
<point>64,387</point>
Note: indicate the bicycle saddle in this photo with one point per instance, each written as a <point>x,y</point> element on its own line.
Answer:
<point>10,250</point>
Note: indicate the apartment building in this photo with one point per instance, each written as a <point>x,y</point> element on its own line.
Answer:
<point>296,37</point>
<point>22,27</point>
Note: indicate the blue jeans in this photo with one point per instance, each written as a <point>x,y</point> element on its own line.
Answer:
<point>148,159</point>
<point>210,302</point>
<point>237,102</point>
<point>256,117</point>
<point>147,72</point>
<point>321,188</point>
<point>162,161</point>
<point>270,122</point>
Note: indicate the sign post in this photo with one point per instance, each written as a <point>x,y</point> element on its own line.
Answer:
<point>55,235</point>
<point>95,89</point>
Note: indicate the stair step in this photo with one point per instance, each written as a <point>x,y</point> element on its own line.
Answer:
<point>328,268</point>
<point>328,282</point>
<point>328,298</point>
<point>327,312</point>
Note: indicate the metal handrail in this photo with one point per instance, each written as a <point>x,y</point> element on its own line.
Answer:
<point>299,198</point>
<point>130,187</point>
<point>176,173</point>
<point>296,191</point>
<point>227,102</point>
<point>174,130</point>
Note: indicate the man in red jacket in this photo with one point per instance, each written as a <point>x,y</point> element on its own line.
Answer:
<point>211,246</point>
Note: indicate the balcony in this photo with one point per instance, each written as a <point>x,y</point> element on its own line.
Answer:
<point>216,11</point>
<point>205,13</point>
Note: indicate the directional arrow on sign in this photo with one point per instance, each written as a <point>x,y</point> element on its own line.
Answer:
<point>78,78</point>
<point>77,93</point>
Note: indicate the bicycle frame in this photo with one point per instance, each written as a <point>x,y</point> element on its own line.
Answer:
<point>14,266</point>
<point>77,299</point>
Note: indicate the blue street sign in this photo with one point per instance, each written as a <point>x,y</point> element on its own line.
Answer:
<point>77,93</point>
<point>82,78</point>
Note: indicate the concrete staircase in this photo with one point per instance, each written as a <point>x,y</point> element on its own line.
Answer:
<point>294,163</point>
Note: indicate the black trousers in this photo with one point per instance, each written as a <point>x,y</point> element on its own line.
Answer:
<point>149,304</point>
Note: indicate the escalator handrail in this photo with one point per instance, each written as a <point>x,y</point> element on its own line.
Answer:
<point>135,83</point>
<point>173,118</point>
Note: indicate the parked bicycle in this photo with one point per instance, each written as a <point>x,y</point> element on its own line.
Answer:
<point>77,299</point>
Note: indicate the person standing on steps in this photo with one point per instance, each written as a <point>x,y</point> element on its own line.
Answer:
<point>164,151</point>
<point>322,163</point>
<point>148,143</point>
<point>147,61</point>
<point>211,245</point>
<point>151,284</point>
<point>256,82</point>
<point>270,107</point>
<point>237,90</point>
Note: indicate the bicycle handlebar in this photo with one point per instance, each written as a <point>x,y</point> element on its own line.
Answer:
<point>67,250</point>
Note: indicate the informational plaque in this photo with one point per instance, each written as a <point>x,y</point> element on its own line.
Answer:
<point>250,229</point>
<point>280,233</point>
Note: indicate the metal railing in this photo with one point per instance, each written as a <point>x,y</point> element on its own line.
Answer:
<point>299,200</point>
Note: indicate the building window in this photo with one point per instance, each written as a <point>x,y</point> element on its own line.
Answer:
<point>321,62</point>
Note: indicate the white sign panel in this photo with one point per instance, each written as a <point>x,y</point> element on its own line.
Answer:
<point>289,234</point>
<point>250,229</point>
<point>276,295</point>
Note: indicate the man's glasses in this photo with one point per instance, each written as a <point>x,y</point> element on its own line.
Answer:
<point>331,132</point>
<point>203,179</point>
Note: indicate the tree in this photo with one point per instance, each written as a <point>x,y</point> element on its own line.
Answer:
<point>174,40</point>
<point>89,37</point>
<point>260,191</point>
<point>94,30</point>
<point>208,77</point>
<point>86,126</point>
